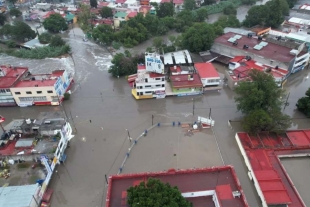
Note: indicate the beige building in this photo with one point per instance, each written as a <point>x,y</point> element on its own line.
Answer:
<point>43,89</point>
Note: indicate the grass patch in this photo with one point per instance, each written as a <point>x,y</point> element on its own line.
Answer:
<point>38,53</point>
<point>23,165</point>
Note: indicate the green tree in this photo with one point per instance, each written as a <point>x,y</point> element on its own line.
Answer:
<point>57,41</point>
<point>2,19</point>
<point>280,5</point>
<point>122,65</point>
<point>165,10</point>
<point>291,3</point>
<point>208,2</point>
<point>201,14</point>
<point>257,15</point>
<point>93,3</point>
<point>6,29</point>
<point>103,33</point>
<point>45,38</point>
<point>199,37</point>
<point>261,98</point>
<point>184,20</point>
<point>189,5</point>
<point>227,21</point>
<point>15,12</point>
<point>303,104</point>
<point>106,12</point>
<point>84,17</point>
<point>158,42</point>
<point>11,44</point>
<point>22,31</point>
<point>156,193</point>
<point>230,10</point>
<point>275,14</point>
<point>248,2</point>
<point>55,23</point>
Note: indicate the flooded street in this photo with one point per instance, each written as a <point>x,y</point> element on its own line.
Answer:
<point>99,147</point>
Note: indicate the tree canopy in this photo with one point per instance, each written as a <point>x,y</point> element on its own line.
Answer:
<point>154,193</point>
<point>15,12</point>
<point>106,12</point>
<point>189,5</point>
<point>2,19</point>
<point>55,23</point>
<point>165,10</point>
<point>200,14</point>
<point>103,33</point>
<point>125,64</point>
<point>45,38</point>
<point>18,30</point>
<point>57,41</point>
<point>260,100</point>
<point>303,104</point>
<point>199,37</point>
<point>12,1</point>
<point>230,10</point>
<point>93,3</point>
<point>270,15</point>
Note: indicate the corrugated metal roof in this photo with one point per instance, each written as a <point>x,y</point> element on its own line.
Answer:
<point>24,142</point>
<point>17,196</point>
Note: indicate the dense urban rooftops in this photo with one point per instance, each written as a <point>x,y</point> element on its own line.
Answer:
<point>206,70</point>
<point>9,75</point>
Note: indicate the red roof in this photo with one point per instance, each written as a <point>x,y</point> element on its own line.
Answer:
<point>165,1</point>
<point>141,67</point>
<point>41,80</point>
<point>12,75</point>
<point>132,14</point>
<point>144,8</point>
<point>276,52</point>
<point>178,1</point>
<point>206,70</point>
<point>120,1</point>
<point>156,75</point>
<point>247,65</point>
<point>48,14</point>
<point>103,4</point>
<point>103,21</point>
<point>181,81</point>
<point>222,180</point>
<point>177,70</point>
<point>262,152</point>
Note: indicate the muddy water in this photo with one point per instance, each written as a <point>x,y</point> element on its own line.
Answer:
<point>98,147</point>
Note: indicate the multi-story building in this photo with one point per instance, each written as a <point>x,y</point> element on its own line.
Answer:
<point>42,89</point>
<point>9,76</point>
<point>148,84</point>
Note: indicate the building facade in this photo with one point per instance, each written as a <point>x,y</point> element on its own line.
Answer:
<point>9,76</point>
<point>43,89</point>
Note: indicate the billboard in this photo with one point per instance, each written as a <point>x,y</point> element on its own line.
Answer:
<point>154,63</point>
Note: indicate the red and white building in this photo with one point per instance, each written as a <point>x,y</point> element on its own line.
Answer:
<point>208,74</point>
<point>9,77</point>
<point>42,89</point>
<point>240,66</point>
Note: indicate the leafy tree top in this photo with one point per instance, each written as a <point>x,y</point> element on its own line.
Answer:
<point>55,23</point>
<point>106,12</point>
<point>154,193</point>
<point>93,3</point>
<point>15,12</point>
<point>303,104</point>
<point>21,31</point>
<point>261,101</point>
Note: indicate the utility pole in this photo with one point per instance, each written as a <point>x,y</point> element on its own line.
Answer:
<point>286,103</point>
<point>152,119</point>
<point>106,179</point>
<point>210,114</point>
<point>129,138</point>
<point>193,106</point>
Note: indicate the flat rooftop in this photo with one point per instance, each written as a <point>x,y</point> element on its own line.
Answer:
<point>40,80</point>
<point>270,51</point>
<point>206,70</point>
<point>221,181</point>
<point>262,154</point>
<point>182,81</point>
<point>9,75</point>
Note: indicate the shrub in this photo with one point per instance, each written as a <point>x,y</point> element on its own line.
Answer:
<point>67,96</point>
<point>10,44</point>
<point>41,52</point>
<point>57,41</point>
<point>15,12</point>
<point>45,38</point>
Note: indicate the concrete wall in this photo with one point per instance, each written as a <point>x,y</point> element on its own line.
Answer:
<point>33,90</point>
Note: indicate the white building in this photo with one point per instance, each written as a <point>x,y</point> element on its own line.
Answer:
<point>154,63</point>
<point>148,84</point>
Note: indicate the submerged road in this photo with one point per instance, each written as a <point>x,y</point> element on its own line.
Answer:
<point>99,147</point>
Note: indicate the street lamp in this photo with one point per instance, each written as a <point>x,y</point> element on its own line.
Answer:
<point>129,138</point>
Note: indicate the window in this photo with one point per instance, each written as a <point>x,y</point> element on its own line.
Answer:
<point>148,86</point>
<point>2,90</point>
<point>157,85</point>
<point>163,79</point>
<point>49,91</point>
<point>28,92</point>
<point>17,93</point>
<point>61,145</point>
<point>147,92</point>
<point>157,78</point>
<point>8,90</point>
<point>163,85</point>
<point>39,92</point>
